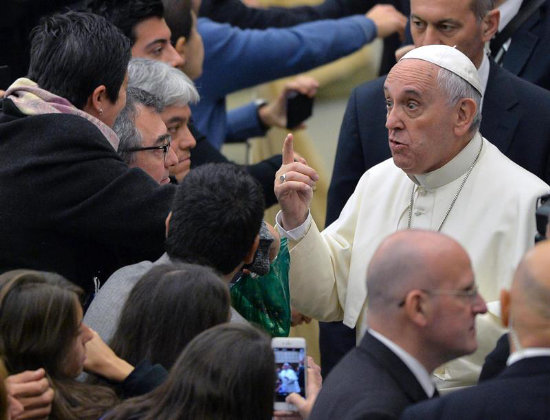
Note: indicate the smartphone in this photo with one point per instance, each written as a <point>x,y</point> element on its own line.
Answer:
<point>291,369</point>
<point>299,108</point>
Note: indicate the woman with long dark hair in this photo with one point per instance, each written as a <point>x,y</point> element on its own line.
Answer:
<point>225,373</point>
<point>166,309</point>
<point>41,327</point>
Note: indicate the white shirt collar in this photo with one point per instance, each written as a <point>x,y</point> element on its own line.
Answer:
<point>483,72</point>
<point>419,372</point>
<point>527,353</point>
<point>508,10</point>
<point>453,169</point>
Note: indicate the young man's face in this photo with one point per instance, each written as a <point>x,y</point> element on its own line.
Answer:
<point>153,42</point>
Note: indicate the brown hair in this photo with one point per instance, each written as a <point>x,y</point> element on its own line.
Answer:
<point>225,373</point>
<point>38,325</point>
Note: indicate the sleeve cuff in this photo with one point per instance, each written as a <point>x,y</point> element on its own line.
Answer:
<point>294,234</point>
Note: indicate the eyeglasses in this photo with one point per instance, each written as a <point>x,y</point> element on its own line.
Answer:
<point>470,293</point>
<point>164,147</point>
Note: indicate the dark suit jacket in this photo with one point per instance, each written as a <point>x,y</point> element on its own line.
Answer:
<point>529,54</point>
<point>516,119</point>
<point>495,362</point>
<point>263,171</point>
<point>369,383</point>
<point>70,204</point>
<point>522,391</point>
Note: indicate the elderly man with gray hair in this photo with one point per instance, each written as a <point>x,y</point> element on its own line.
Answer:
<point>443,176</point>
<point>175,92</point>
<point>144,140</point>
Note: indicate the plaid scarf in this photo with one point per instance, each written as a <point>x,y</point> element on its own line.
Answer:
<point>32,100</point>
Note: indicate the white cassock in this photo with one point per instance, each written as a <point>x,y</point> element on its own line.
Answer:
<point>493,218</point>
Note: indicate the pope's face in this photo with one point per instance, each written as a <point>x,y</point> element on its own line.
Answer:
<point>419,118</point>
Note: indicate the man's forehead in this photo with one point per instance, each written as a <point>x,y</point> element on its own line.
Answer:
<point>414,75</point>
<point>150,124</point>
<point>152,30</point>
<point>441,10</point>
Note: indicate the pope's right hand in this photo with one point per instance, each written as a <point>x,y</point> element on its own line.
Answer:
<point>294,183</point>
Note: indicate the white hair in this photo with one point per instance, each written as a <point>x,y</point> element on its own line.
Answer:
<point>456,89</point>
<point>167,83</point>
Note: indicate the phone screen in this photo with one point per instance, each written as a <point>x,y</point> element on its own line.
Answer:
<point>291,371</point>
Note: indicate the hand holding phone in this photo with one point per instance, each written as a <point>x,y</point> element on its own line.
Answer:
<point>291,367</point>
<point>299,108</point>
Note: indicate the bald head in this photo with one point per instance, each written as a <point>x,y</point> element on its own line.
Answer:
<point>530,297</point>
<point>422,296</point>
<point>411,259</point>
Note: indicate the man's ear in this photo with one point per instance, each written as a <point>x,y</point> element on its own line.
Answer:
<point>417,308</point>
<point>179,46</point>
<point>489,25</point>
<point>505,307</point>
<point>249,257</point>
<point>167,222</point>
<point>465,113</point>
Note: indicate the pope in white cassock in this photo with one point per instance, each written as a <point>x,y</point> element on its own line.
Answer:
<point>443,176</point>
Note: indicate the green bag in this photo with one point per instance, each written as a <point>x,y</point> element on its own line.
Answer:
<point>265,300</point>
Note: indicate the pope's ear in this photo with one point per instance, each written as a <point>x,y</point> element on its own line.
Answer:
<point>465,114</point>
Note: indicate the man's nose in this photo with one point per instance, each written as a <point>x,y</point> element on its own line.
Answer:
<point>479,306</point>
<point>393,119</point>
<point>171,158</point>
<point>431,36</point>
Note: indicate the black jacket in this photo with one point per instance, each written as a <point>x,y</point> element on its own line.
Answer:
<point>69,204</point>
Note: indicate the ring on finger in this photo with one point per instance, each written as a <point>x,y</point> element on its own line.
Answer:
<point>282,178</point>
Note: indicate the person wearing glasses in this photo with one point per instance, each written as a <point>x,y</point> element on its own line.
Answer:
<point>144,139</point>
<point>423,304</point>
<point>521,390</point>
<point>70,204</point>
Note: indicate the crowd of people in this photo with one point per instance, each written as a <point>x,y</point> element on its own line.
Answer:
<point>139,279</point>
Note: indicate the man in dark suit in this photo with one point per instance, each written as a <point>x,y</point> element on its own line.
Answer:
<point>527,54</point>
<point>423,302</point>
<point>522,390</point>
<point>516,115</point>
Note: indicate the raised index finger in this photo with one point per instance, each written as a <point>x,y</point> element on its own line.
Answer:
<point>288,150</point>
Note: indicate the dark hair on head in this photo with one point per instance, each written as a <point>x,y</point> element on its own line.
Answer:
<point>126,14</point>
<point>225,373</point>
<point>75,52</point>
<point>166,309</point>
<point>482,7</point>
<point>178,17</point>
<point>38,326</point>
<point>125,123</point>
<point>216,214</point>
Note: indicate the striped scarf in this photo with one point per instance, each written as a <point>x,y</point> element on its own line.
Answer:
<point>32,100</point>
